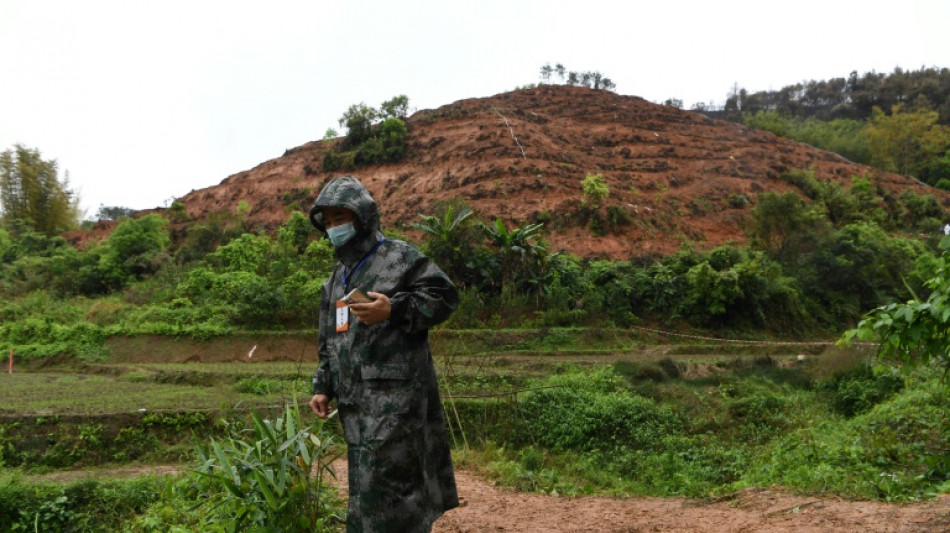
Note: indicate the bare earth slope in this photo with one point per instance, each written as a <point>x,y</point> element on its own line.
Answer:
<point>522,155</point>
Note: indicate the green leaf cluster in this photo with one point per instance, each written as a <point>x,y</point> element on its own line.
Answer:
<point>918,330</point>
<point>367,141</point>
<point>270,477</point>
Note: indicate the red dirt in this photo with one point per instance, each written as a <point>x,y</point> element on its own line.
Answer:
<point>671,171</point>
<point>486,507</point>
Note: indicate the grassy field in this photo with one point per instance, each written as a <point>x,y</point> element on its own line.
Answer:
<point>43,394</point>
<point>164,373</point>
<point>602,412</point>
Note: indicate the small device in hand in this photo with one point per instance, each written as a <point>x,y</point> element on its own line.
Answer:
<point>356,296</point>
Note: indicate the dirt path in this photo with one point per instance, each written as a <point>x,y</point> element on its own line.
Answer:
<point>486,507</point>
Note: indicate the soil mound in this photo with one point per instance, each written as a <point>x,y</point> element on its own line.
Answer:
<point>674,176</point>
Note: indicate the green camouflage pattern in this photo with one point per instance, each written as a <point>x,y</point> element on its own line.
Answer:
<point>382,375</point>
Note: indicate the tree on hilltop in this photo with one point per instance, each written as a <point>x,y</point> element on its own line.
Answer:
<point>591,79</point>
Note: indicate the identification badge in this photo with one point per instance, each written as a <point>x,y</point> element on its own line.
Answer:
<point>342,317</point>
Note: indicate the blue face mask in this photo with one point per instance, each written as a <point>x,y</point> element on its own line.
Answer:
<point>340,235</point>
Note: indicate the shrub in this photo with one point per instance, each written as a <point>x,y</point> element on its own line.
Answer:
<point>595,191</point>
<point>247,253</point>
<point>895,451</point>
<point>593,410</point>
<point>136,247</point>
<point>392,133</point>
<point>94,506</point>
<point>270,477</point>
<point>858,390</point>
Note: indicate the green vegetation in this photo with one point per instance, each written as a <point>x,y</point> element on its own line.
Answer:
<point>89,505</point>
<point>32,196</point>
<point>647,430</point>
<point>898,122</point>
<point>853,98</point>
<point>373,136</point>
<point>67,392</point>
<point>269,476</point>
<point>272,477</point>
<point>918,331</point>
<point>595,190</point>
<point>817,260</point>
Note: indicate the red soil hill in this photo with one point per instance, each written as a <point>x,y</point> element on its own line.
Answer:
<point>675,176</point>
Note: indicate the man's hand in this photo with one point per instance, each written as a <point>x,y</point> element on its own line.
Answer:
<point>373,312</point>
<point>320,403</point>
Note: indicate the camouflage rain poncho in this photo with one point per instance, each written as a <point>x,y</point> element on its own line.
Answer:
<point>382,375</point>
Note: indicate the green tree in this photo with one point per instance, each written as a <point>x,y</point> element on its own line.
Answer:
<point>784,226</point>
<point>5,244</point>
<point>296,232</point>
<point>917,331</point>
<point>397,107</point>
<point>136,246</point>
<point>358,120</point>
<point>31,192</point>
<point>521,255</point>
<point>905,141</point>
<point>247,253</point>
<point>392,136</point>
<point>114,212</point>
<point>546,71</point>
<point>451,241</point>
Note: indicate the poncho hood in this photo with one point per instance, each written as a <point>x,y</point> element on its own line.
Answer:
<point>347,192</point>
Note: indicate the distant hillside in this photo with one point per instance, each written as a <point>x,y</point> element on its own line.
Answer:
<point>674,175</point>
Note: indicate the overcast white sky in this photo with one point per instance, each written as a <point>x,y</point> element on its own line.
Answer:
<point>144,101</point>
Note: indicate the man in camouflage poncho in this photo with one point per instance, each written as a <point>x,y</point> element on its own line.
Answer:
<point>375,360</point>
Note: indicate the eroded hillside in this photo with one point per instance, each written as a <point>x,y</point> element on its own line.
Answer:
<point>674,176</point>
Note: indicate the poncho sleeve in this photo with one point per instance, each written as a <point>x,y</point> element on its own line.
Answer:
<point>323,382</point>
<point>425,298</point>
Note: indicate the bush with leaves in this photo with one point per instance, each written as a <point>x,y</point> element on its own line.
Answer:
<point>136,248</point>
<point>271,476</point>
<point>895,451</point>
<point>922,211</point>
<point>860,267</point>
<point>858,390</point>
<point>91,505</point>
<point>247,253</point>
<point>904,141</point>
<point>595,191</point>
<point>368,142</point>
<point>917,331</point>
<point>520,256</point>
<point>595,411</point>
<point>453,241</point>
